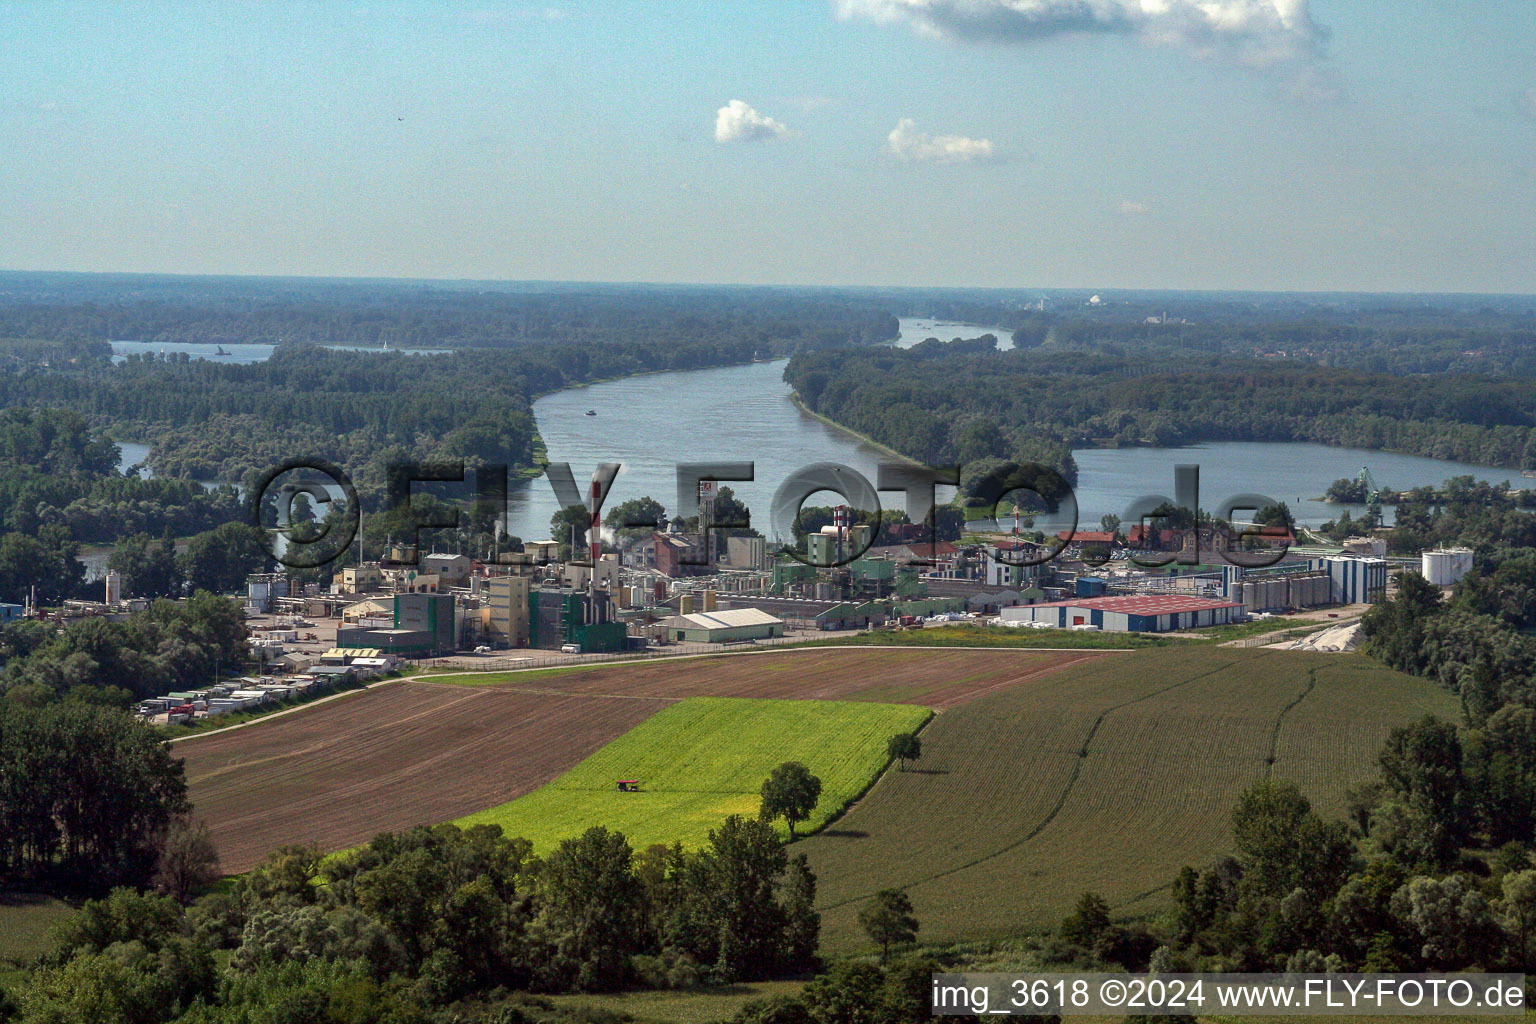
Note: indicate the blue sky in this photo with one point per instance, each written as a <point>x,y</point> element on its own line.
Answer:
<point>1351,145</point>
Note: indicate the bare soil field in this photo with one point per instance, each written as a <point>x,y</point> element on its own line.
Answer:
<point>429,751</point>
<point>391,758</point>
<point>937,679</point>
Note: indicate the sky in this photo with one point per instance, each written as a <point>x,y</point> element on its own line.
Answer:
<point>1353,145</point>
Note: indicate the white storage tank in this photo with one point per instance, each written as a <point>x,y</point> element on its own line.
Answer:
<point>1445,567</point>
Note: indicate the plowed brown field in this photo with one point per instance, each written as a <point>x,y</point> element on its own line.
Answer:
<point>428,751</point>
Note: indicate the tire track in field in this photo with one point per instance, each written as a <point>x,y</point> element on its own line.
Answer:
<point>1061,801</point>
<point>1274,734</point>
<point>1269,766</point>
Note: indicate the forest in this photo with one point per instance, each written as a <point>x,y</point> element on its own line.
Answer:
<point>941,408</point>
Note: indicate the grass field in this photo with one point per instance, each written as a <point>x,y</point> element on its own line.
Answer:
<point>704,758</point>
<point>678,1006</point>
<point>1107,778</point>
<point>25,921</point>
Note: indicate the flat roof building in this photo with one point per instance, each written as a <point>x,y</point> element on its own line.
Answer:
<point>1137,613</point>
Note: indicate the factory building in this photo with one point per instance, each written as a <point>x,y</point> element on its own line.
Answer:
<point>724,626</point>
<point>506,606</point>
<point>1356,580</point>
<point>1157,613</point>
<point>1444,567</point>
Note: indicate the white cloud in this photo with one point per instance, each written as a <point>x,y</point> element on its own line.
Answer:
<point>737,122</point>
<point>1133,209</point>
<point>908,144</point>
<point>1249,31</point>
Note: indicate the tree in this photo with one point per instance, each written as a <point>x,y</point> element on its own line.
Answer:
<point>576,517</point>
<point>219,560</point>
<point>635,517</point>
<point>904,747</point>
<point>1283,845</point>
<point>148,568</point>
<point>188,859</point>
<point>887,919</point>
<point>593,902</point>
<point>1518,908</point>
<point>802,925</point>
<point>1088,920</point>
<point>1422,763</point>
<point>790,792</point>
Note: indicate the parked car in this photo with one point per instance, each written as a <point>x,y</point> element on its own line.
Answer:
<point>569,649</point>
<point>482,649</point>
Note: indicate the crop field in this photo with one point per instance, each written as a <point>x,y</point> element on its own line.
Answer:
<point>937,679</point>
<point>423,752</point>
<point>1108,778</point>
<point>393,757</point>
<point>704,758</point>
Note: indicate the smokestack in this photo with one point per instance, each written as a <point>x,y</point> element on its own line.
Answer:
<point>596,537</point>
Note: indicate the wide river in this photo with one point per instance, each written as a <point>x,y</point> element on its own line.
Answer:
<point>744,413</point>
<point>649,424</point>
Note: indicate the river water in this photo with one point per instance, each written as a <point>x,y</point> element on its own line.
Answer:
<point>651,423</point>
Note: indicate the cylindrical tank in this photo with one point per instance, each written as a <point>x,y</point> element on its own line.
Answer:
<point>660,592</point>
<point>685,604</point>
<point>709,600</point>
<point>1445,567</point>
<point>114,586</point>
<point>624,597</point>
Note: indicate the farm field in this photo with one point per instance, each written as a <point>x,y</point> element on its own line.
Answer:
<point>391,758</point>
<point>432,750</point>
<point>1107,779</point>
<point>703,759</point>
<point>937,679</point>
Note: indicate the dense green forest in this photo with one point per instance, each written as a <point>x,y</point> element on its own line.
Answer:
<point>941,408</point>
<point>1403,334</point>
<point>405,314</point>
<point>209,420</point>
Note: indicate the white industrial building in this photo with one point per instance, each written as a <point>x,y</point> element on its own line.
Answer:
<point>1137,613</point>
<point>1444,567</point>
<point>1356,580</point>
<point>724,626</point>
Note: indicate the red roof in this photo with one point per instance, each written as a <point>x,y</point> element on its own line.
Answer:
<point>1144,604</point>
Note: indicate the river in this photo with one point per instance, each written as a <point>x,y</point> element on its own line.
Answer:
<point>744,413</point>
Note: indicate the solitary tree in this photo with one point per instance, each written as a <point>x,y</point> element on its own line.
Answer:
<point>904,747</point>
<point>888,919</point>
<point>790,792</point>
<point>188,859</point>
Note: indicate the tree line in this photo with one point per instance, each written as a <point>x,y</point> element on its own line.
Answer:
<point>941,409</point>
<point>433,918</point>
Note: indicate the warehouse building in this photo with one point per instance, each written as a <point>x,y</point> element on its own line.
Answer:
<point>731,625</point>
<point>1357,580</point>
<point>1149,613</point>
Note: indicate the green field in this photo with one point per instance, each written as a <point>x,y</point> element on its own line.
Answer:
<point>25,923</point>
<point>1108,777</point>
<point>678,1006</point>
<point>704,758</point>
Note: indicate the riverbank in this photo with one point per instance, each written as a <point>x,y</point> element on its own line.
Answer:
<point>794,399</point>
